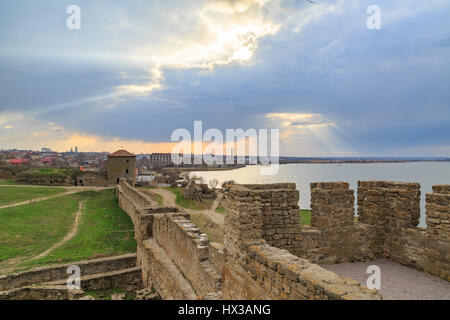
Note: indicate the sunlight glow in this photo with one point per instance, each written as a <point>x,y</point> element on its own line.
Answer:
<point>300,120</point>
<point>310,134</point>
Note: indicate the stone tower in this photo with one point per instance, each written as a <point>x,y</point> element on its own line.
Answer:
<point>121,164</point>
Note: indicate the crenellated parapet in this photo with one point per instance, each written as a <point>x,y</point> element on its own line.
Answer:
<point>267,254</point>
<point>393,209</point>
<point>259,266</point>
<point>175,256</point>
<point>334,236</point>
<point>437,244</point>
<point>332,205</point>
<point>438,212</point>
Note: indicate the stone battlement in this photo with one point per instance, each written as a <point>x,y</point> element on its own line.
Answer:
<point>388,211</point>
<point>268,255</point>
<point>262,235</point>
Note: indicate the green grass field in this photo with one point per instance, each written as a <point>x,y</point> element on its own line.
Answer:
<point>28,230</point>
<point>220,210</point>
<point>7,182</point>
<point>305,217</point>
<point>188,203</point>
<point>105,230</point>
<point>52,172</point>
<point>10,195</point>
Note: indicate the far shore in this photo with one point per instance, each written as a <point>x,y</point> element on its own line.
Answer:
<point>357,161</point>
<point>318,161</point>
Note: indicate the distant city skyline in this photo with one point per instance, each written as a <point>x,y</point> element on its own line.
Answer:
<point>135,71</point>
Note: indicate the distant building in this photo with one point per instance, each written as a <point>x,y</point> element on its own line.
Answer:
<point>48,160</point>
<point>121,164</point>
<point>161,160</point>
<point>16,162</point>
<point>46,150</point>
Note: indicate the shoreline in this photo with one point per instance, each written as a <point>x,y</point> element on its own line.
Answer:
<point>305,162</point>
<point>358,161</point>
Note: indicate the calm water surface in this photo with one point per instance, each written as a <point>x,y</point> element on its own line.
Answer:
<point>426,173</point>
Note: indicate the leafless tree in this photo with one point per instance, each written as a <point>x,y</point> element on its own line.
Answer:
<point>213,183</point>
<point>225,183</point>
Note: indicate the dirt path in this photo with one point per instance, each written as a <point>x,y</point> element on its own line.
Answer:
<point>70,191</point>
<point>30,186</point>
<point>216,202</point>
<point>169,201</point>
<point>168,197</point>
<point>52,187</point>
<point>68,236</point>
<point>11,264</point>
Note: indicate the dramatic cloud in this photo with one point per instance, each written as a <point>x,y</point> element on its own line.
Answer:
<point>310,135</point>
<point>138,70</point>
<point>300,120</point>
<point>31,133</point>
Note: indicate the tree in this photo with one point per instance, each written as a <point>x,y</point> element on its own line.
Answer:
<point>186,176</point>
<point>226,183</point>
<point>213,183</point>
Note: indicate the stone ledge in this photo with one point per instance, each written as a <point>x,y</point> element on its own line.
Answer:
<point>121,279</point>
<point>52,273</point>
<point>164,275</point>
<point>308,279</point>
<point>442,188</point>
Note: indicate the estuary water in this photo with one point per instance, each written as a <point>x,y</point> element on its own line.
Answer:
<point>425,173</point>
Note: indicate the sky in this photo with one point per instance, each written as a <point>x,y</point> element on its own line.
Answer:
<point>138,70</point>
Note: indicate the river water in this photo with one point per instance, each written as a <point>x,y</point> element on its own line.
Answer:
<point>425,173</point>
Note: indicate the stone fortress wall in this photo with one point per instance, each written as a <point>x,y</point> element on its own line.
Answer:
<point>268,255</point>
<point>176,257</point>
<point>49,282</point>
<point>394,209</point>
<point>253,269</point>
<point>188,248</point>
<point>388,215</point>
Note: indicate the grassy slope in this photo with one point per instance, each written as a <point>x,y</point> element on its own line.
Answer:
<point>9,195</point>
<point>157,197</point>
<point>105,230</point>
<point>188,203</point>
<point>210,228</point>
<point>28,230</point>
<point>220,210</point>
<point>7,182</point>
<point>51,172</point>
